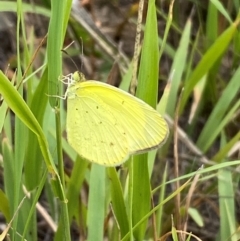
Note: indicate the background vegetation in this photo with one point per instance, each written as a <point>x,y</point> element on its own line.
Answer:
<point>189,62</point>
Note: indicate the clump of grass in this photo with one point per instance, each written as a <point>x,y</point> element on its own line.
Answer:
<point>155,195</point>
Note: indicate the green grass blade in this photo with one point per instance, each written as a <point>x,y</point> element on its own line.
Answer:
<point>96,203</point>
<point>4,206</point>
<point>225,149</point>
<point>3,112</point>
<point>20,129</point>
<point>212,23</point>
<point>7,6</point>
<point>226,99</point>
<point>196,216</point>
<point>56,32</point>
<point>172,195</point>
<point>178,67</point>
<point>147,90</point>
<point>118,204</point>
<point>34,200</point>
<point>33,169</point>
<point>54,46</point>
<point>8,162</point>
<point>20,108</point>
<point>223,123</point>
<point>74,185</point>
<point>159,213</point>
<point>208,60</point>
<point>221,9</point>
<point>227,207</point>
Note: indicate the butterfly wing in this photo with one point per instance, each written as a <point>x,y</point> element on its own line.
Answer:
<point>93,130</point>
<point>146,129</point>
<point>143,127</point>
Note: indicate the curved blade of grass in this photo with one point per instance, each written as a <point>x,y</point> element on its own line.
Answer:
<point>221,9</point>
<point>227,97</point>
<point>202,171</point>
<point>225,149</point>
<point>214,133</point>
<point>208,60</point>
<point>20,108</point>
<point>157,207</point>
<point>7,6</point>
<point>196,216</point>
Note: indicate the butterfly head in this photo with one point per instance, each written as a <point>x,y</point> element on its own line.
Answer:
<point>78,76</point>
<point>73,78</point>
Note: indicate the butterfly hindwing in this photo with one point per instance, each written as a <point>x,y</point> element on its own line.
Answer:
<point>94,132</point>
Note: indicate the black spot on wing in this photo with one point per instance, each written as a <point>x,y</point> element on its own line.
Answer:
<point>111,144</point>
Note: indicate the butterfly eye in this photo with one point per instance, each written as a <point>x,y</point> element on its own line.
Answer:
<point>78,77</point>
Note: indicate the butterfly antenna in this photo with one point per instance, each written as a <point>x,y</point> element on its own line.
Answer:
<point>81,57</point>
<point>64,51</point>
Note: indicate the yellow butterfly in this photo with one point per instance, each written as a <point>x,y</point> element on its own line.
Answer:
<point>106,125</point>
